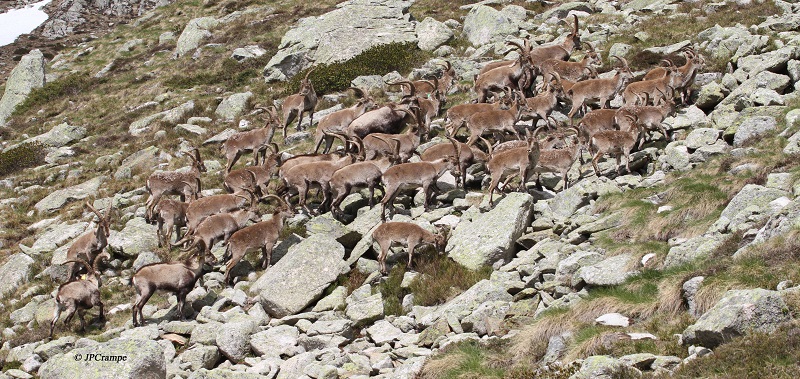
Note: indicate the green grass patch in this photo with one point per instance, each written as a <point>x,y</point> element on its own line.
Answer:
<point>442,279</point>
<point>465,360</point>
<point>378,60</point>
<point>391,291</point>
<point>67,86</point>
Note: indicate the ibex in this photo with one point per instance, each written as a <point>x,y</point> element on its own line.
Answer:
<point>560,51</point>
<point>409,234</point>
<point>170,214</point>
<point>614,142</point>
<point>184,184</point>
<point>256,140</point>
<point>339,121</point>
<point>458,115</point>
<point>650,89</point>
<point>573,71</point>
<point>603,89</point>
<point>90,244</point>
<point>367,174</point>
<point>649,118</point>
<point>401,146</point>
<point>684,77</point>
<point>216,227</point>
<point>176,277</point>
<point>412,175</point>
<point>542,105</point>
<point>300,178</point>
<point>443,84</point>
<point>521,161</point>
<point>198,210</point>
<point>390,118</point>
<point>466,156</point>
<point>497,121</point>
<point>429,107</point>
<point>295,105</point>
<point>502,77</point>
<point>560,160</point>
<point>261,235</point>
<point>595,121</point>
<point>80,295</point>
<point>254,178</point>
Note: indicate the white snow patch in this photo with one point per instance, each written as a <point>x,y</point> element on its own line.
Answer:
<point>17,22</point>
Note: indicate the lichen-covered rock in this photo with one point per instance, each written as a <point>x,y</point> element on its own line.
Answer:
<point>701,137</point>
<point>57,199</point>
<point>432,34</point>
<point>300,277</point>
<point>484,23</point>
<point>772,61</point>
<point>694,248</point>
<point>737,313</point>
<point>130,358</point>
<point>200,356</point>
<point>194,33</point>
<point>490,236</point>
<point>598,367</point>
<point>233,339</point>
<point>742,95</point>
<point>566,202</point>
<point>752,128</point>
<point>61,135</point>
<point>233,106</point>
<point>364,310</point>
<point>277,341</point>
<point>57,235</point>
<point>749,206</point>
<point>339,35</point>
<point>676,155</point>
<point>464,304</point>
<point>144,159</point>
<point>710,95</point>
<point>15,271</point>
<point>608,272</point>
<point>27,75</point>
<point>382,332</point>
<point>136,237</point>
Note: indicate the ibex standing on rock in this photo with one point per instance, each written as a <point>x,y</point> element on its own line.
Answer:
<point>176,277</point>
<point>295,105</point>
<point>79,295</point>
<point>521,161</point>
<point>90,244</point>
<point>409,234</point>
<point>256,140</point>
<point>185,184</point>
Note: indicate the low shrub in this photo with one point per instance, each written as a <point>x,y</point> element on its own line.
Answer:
<point>21,157</point>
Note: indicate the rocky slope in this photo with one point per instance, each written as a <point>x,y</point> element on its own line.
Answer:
<point>645,273</point>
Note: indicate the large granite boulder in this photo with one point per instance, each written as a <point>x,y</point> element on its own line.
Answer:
<point>737,313</point>
<point>300,277</point>
<point>233,106</point>
<point>15,271</point>
<point>432,34</point>
<point>57,199</point>
<point>490,236</point>
<point>194,33</point>
<point>27,75</point>
<point>484,23</point>
<point>128,358</point>
<point>339,35</point>
<point>136,237</point>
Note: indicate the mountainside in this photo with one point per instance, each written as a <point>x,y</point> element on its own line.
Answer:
<point>677,260</point>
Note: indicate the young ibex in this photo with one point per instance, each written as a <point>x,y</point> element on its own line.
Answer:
<point>295,105</point>
<point>80,295</point>
<point>560,160</point>
<point>430,105</point>
<point>573,71</point>
<point>216,227</point>
<point>261,235</point>
<point>256,140</point>
<point>560,51</point>
<point>91,243</point>
<point>184,184</point>
<point>502,77</point>
<point>198,210</point>
<point>497,121</point>
<point>542,105</point>
<point>458,115</point>
<point>300,178</point>
<point>595,121</point>
<point>650,89</point>
<point>521,161</point>
<point>409,234</point>
<point>254,178</point>
<point>466,156</point>
<point>684,77</point>
<point>412,175</point>
<point>170,214</point>
<point>176,277</point>
<point>443,84</point>
<point>338,121</point>
<point>650,118</point>
<point>615,142</point>
<point>603,89</point>
<point>360,174</point>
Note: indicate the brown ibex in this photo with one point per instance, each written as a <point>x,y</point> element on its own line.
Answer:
<point>295,105</point>
<point>216,227</point>
<point>367,174</point>
<point>412,175</point>
<point>650,118</point>
<point>256,140</point>
<point>603,89</point>
<point>560,160</point>
<point>170,214</point>
<point>409,234</point>
<point>198,210</point>
<point>263,235</point>
<point>338,121</point>
<point>684,78</point>
<point>466,156</point>
<point>497,121</point>
<point>521,161</point>
<point>616,143</point>
<point>176,277</point>
<point>184,184</point>
<point>573,71</point>
<point>80,295</point>
<point>254,178</point>
<point>499,78</point>
<point>300,178</point>
<point>90,244</point>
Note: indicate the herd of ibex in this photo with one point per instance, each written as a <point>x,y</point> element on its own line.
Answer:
<point>378,153</point>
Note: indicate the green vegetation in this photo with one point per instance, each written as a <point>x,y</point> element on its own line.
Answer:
<point>377,60</point>
<point>21,157</point>
<point>466,360</point>
<point>67,86</point>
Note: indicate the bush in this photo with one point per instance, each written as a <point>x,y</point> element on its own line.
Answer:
<point>21,157</point>
<point>68,86</point>
<point>378,60</point>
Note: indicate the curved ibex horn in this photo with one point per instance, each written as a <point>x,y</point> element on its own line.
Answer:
<point>488,145</point>
<point>575,28</point>
<point>309,72</point>
<point>358,91</point>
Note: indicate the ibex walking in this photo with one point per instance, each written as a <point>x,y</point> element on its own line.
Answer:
<point>295,105</point>
<point>90,244</point>
<point>79,295</point>
<point>409,234</point>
